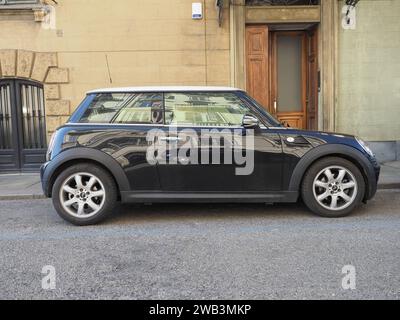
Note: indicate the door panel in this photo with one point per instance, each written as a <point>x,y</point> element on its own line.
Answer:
<point>205,175</point>
<point>9,153</point>
<point>289,73</point>
<point>32,125</point>
<point>266,174</point>
<point>290,78</point>
<point>292,120</point>
<point>257,63</point>
<point>6,123</point>
<point>207,149</point>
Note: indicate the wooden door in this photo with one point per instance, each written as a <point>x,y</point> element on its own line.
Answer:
<point>289,77</point>
<point>257,74</point>
<point>282,74</point>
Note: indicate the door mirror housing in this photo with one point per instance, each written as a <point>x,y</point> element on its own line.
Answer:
<point>250,121</point>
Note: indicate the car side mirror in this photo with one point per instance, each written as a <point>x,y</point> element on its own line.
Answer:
<point>250,121</point>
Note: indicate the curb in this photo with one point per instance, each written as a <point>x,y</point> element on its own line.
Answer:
<point>22,197</point>
<point>389,186</point>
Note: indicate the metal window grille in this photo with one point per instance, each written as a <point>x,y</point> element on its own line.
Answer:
<point>6,126</point>
<point>22,114</point>
<point>33,117</point>
<point>282,2</point>
<point>10,2</point>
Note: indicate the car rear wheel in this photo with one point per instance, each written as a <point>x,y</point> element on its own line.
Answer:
<point>333,187</point>
<point>84,194</point>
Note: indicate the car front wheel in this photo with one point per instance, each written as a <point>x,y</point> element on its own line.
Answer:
<point>333,187</point>
<point>84,194</point>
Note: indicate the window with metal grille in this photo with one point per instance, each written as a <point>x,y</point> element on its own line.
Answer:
<point>6,123</point>
<point>22,116</point>
<point>282,2</point>
<point>33,117</point>
<point>11,2</point>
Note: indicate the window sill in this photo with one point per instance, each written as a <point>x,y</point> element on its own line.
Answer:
<point>35,12</point>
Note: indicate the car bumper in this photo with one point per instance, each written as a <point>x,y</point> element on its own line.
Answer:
<point>44,179</point>
<point>373,178</point>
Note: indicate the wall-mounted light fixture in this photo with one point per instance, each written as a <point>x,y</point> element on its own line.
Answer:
<point>219,4</point>
<point>349,15</point>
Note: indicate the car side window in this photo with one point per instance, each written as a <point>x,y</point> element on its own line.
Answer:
<point>204,109</point>
<point>146,108</point>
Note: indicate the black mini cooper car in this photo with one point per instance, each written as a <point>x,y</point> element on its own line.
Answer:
<point>197,144</point>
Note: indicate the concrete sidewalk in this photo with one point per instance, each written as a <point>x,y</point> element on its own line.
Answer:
<point>20,186</point>
<point>27,185</point>
<point>390,175</point>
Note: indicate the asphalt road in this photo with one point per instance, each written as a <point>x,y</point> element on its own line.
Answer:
<point>202,251</point>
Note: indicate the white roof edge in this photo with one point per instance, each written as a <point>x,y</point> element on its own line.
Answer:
<point>162,89</point>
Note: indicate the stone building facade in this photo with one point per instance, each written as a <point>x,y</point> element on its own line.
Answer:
<point>41,67</point>
<point>73,46</point>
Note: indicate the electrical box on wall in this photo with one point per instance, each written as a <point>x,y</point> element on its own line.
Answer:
<point>197,10</point>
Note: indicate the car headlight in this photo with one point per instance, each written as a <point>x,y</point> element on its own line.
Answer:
<point>365,147</point>
<point>50,147</point>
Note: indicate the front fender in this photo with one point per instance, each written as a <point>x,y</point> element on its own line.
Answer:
<point>49,169</point>
<point>339,150</point>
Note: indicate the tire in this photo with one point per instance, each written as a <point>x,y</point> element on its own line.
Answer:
<point>88,204</point>
<point>321,187</point>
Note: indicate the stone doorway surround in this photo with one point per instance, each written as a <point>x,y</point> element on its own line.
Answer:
<point>41,67</point>
<point>326,14</point>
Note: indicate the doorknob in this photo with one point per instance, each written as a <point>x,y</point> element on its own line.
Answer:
<point>275,105</point>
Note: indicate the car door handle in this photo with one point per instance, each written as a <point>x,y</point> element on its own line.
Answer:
<point>173,139</point>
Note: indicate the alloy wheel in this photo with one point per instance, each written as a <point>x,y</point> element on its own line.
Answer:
<point>335,188</point>
<point>82,195</point>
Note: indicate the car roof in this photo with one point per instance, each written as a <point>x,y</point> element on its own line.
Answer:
<point>164,89</point>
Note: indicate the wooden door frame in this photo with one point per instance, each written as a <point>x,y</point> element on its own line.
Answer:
<point>313,83</point>
<point>274,75</point>
<point>327,15</point>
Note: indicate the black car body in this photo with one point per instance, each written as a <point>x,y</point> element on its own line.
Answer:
<point>119,146</point>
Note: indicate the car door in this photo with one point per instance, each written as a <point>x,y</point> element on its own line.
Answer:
<point>119,125</point>
<point>208,150</point>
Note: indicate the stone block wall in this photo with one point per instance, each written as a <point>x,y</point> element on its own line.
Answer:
<point>112,43</point>
<point>41,67</point>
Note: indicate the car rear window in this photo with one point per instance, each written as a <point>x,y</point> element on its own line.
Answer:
<point>133,108</point>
